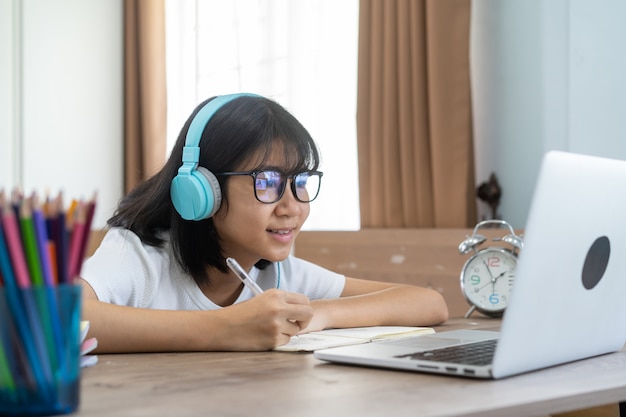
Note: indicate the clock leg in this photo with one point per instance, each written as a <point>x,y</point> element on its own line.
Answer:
<point>470,311</point>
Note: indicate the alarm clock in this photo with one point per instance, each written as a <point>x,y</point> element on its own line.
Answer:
<point>487,276</point>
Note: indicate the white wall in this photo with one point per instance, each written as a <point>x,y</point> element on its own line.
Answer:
<point>545,75</point>
<point>7,93</point>
<point>61,105</point>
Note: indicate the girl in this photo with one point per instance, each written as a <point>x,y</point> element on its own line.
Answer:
<point>159,280</point>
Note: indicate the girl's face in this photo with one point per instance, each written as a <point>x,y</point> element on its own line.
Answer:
<point>250,230</point>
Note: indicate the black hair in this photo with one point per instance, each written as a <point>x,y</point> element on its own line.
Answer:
<point>242,130</point>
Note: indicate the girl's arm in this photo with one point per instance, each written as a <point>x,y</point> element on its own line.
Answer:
<point>265,321</point>
<point>373,303</point>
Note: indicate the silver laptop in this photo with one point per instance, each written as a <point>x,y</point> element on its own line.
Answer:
<point>568,300</point>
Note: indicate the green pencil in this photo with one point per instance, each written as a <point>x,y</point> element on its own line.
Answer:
<point>29,239</point>
<point>7,383</point>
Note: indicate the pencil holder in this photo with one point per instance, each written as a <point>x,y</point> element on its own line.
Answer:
<point>39,350</point>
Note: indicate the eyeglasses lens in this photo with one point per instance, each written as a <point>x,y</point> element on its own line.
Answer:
<point>270,185</point>
<point>307,186</point>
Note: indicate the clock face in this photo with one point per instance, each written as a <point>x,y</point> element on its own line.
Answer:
<point>487,277</point>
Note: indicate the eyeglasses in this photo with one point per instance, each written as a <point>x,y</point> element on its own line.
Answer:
<point>269,186</point>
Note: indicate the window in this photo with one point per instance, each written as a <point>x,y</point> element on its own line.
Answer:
<point>301,53</point>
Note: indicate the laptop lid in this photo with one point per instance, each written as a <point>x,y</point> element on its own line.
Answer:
<point>568,300</point>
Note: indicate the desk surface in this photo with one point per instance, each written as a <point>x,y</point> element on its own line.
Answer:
<point>297,384</point>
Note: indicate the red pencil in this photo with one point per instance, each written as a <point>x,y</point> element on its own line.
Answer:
<point>76,241</point>
<point>14,244</point>
<point>91,208</point>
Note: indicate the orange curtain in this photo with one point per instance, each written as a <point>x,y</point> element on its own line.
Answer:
<point>144,90</point>
<point>414,124</point>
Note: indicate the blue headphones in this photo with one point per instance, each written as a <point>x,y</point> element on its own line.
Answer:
<point>195,191</point>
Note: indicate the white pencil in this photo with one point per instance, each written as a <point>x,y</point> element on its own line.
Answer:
<point>245,278</point>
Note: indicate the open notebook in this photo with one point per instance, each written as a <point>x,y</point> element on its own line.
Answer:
<point>568,297</point>
<point>324,339</point>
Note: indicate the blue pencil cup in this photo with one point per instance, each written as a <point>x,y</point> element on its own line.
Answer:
<point>40,350</point>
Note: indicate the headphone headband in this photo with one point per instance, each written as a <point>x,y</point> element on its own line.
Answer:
<point>204,115</point>
<point>195,191</point>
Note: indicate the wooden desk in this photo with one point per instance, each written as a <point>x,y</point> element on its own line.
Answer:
<point>288,384</point>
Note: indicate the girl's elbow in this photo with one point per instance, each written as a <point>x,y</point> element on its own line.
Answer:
<point>440,312</point>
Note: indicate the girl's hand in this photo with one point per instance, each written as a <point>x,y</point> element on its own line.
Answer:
<point>265,321</point>
<point>320,319</point>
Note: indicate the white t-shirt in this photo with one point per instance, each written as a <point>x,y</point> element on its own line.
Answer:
<point>125,271</point>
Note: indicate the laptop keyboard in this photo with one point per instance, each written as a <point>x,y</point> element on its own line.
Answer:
<point>478,353</point>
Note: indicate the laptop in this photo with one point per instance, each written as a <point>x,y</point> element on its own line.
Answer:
<point>568,300</point>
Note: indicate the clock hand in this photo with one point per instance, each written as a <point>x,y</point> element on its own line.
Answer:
<point>492,281</point>
<point>498,277</point>
<point>488,270</point>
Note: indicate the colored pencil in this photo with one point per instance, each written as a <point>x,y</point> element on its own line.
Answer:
<point>79,229</point>
<point>45,294</point>
<point>22,310</point>
<point>9,281</point>
<point>41,248</point>
<point>53,261</point>
<point>91,208</point>
<point>50,215</point>
<point>14,244</point>
<point>29,241</point>
<point>62,242</point>
<point>58,236</point>
<point>46,311</point>
<point>8,361</point>
<point>41,233</point>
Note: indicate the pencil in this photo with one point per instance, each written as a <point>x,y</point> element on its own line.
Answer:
<point>62,243</point>
<point>54,331</point>
<point>14,245</point>
<point>91,208</point>
<point>41,234</point>
<point>29,241</point>
<point>46,311</point>
<point>9,281</point>
<point>58,236</point>
<point>53,261</point>
<point>50,215</point>
<point>77,236</point>
<point>22,312</point>
<point>7,358</point>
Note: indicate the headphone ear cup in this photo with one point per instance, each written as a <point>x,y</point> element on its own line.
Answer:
<point>196,195</point>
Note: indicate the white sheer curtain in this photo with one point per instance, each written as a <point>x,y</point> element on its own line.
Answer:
<point>302,53</point>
